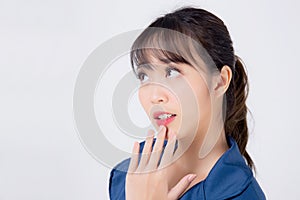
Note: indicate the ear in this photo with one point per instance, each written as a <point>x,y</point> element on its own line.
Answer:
<point>223,80</point>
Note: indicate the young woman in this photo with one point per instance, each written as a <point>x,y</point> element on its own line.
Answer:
<point>193,89</point>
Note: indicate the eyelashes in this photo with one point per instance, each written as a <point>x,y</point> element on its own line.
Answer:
<point>169,72</point>
<point>141,76</point>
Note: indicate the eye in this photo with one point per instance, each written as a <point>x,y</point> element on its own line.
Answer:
<point>142,77</point>
<point>172,72</point>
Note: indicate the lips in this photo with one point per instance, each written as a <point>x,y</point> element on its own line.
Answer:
<point>164,121</point>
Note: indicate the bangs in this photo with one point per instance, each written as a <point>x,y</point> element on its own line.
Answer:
<point>159,44</point>
<point>166,45</point>
<point>146,57</point>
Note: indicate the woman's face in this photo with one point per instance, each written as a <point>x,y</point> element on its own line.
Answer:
<point>175,95</point>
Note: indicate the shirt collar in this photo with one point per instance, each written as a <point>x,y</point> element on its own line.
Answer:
<point>229,176</point>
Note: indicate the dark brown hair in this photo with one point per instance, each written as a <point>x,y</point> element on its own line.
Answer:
<point>213,35</point>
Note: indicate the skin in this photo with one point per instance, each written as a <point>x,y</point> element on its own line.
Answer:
<point>166,89</point>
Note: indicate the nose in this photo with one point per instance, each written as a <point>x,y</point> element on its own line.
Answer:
<point>158,94</point>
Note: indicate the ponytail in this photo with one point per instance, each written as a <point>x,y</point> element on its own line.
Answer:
<point>236,112</point>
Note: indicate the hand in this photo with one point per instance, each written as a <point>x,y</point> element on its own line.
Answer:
<point>147,179</point>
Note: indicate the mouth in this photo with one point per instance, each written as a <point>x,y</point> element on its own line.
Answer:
<point>163,118</point>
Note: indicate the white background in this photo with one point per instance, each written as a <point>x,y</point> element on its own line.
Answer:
<point>43,45</point>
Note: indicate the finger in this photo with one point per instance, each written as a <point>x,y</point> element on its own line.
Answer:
<point>160,139</point>
<point>157,149</point>
<point>146,151</point>
<point>181,186</point>
<point>134,158</point>
<point>167,157</point>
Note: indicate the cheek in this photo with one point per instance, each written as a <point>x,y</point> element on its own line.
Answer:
<point>205,111</point>
<point>203,97</point>
<point>143,97</point>
<point>200,109</point>
<point>204,105</point>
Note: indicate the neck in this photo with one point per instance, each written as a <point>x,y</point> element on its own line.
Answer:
<point>189,161</point>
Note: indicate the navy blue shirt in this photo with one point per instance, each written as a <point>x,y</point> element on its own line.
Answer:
<point>230,178</point>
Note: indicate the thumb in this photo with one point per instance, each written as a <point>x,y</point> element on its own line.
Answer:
<point>181,186</point>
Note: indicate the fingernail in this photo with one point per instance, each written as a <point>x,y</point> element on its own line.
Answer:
<point>171,135</point>
<point>160,128</point>
<point>150,133</point>
<point>191,177</point>
<point>135,144</point>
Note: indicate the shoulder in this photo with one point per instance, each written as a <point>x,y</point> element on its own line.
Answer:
<point>231,178</point>
<point>253,191</point>
<point>117,180</point>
